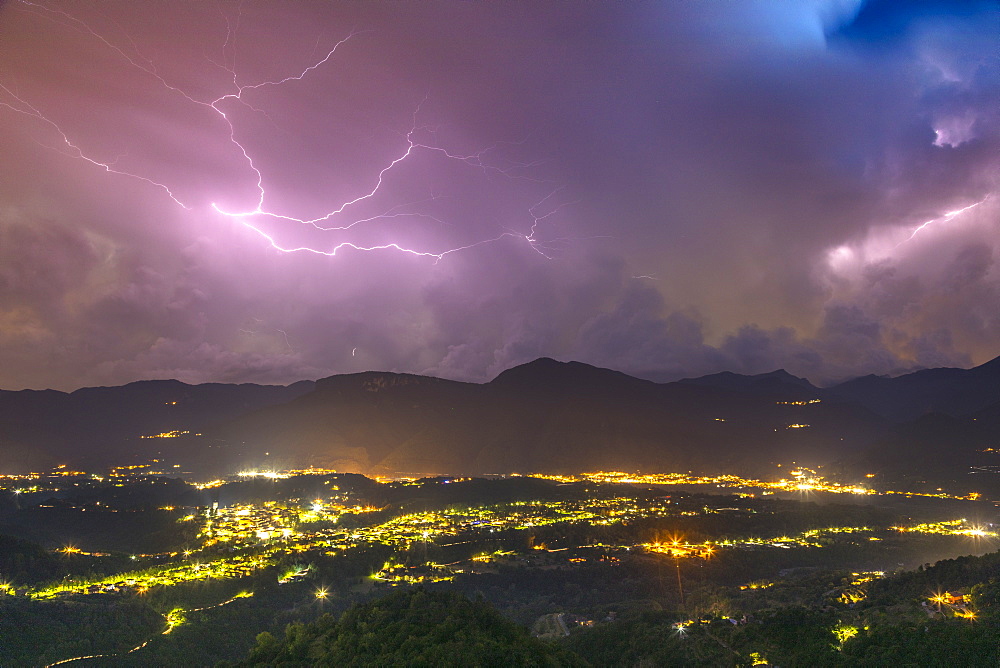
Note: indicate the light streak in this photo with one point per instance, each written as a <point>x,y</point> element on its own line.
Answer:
<point>77,152</point>
<point>253,217</point>
<point>285,335</point>
<point>945,217</point>
<point>173,619</point>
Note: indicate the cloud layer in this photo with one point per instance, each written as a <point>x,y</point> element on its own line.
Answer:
<point>668,189</point>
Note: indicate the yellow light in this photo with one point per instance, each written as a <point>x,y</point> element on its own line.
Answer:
<point>844,632</point>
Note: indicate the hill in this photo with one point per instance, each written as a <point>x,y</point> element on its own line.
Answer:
<point>546,416</point>
<point>948,391</point>
<point>414,628</point>
<point>543,416</point>
<point>100,425</point>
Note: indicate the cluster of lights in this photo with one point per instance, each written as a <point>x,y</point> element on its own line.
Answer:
<point>65,473</point>
<point>251,526</point>
<point>245,524</point>
<point>678,549</point>
<point>808,538</point>
<point>844,632</point>
<point>70,549</point>
<point>415,527</point>
<point>492,556</point>
<point>803,480</point>
<point>133,470</point>
<point>866,576</point>
<point>857,589</point>
<point>281,475</point>
<point>955,604</point>
<point>294,575</point>
<point>273,475</point>
<point>949,528</point>
<point>271,526</point>
<point>550,476</point>
<point>396,574</point>
<point>256,535</point>
<point>236,566</point>
<point>60,477</point>
<point>20,476</point>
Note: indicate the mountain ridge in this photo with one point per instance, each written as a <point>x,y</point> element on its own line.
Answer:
<point>545,415</point>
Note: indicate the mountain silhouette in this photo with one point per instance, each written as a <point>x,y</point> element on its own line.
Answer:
<point>543,416</point>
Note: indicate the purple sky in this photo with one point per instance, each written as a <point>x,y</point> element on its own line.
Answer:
<point>665,188</point>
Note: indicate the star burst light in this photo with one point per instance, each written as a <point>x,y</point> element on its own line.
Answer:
<point>341,220</point>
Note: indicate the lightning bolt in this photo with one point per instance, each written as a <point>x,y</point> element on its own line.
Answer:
<point>251,332</point>
<point>71,149</point>
<point>285,335</point>
<point>945,217</point>
<point>337,219</point>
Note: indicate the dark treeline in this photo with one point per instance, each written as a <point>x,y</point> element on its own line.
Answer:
<point>411,628</point>
<point>36,633</point>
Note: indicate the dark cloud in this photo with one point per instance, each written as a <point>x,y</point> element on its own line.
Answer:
<point>40,263</point>
<point>970,267</point>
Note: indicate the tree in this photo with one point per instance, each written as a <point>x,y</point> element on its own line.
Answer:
<point>414,628</point>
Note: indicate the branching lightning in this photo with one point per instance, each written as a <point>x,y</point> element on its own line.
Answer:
<point>337,219</point>
<point>71,149</point>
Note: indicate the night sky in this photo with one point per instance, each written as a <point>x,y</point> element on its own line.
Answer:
<point>272,191</point>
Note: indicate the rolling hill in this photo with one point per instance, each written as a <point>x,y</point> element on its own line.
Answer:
<point>543,416</point>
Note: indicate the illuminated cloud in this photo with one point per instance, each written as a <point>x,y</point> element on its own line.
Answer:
<point>793,180</point>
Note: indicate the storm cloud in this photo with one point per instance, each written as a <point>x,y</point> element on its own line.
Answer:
<point>669,189</point>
